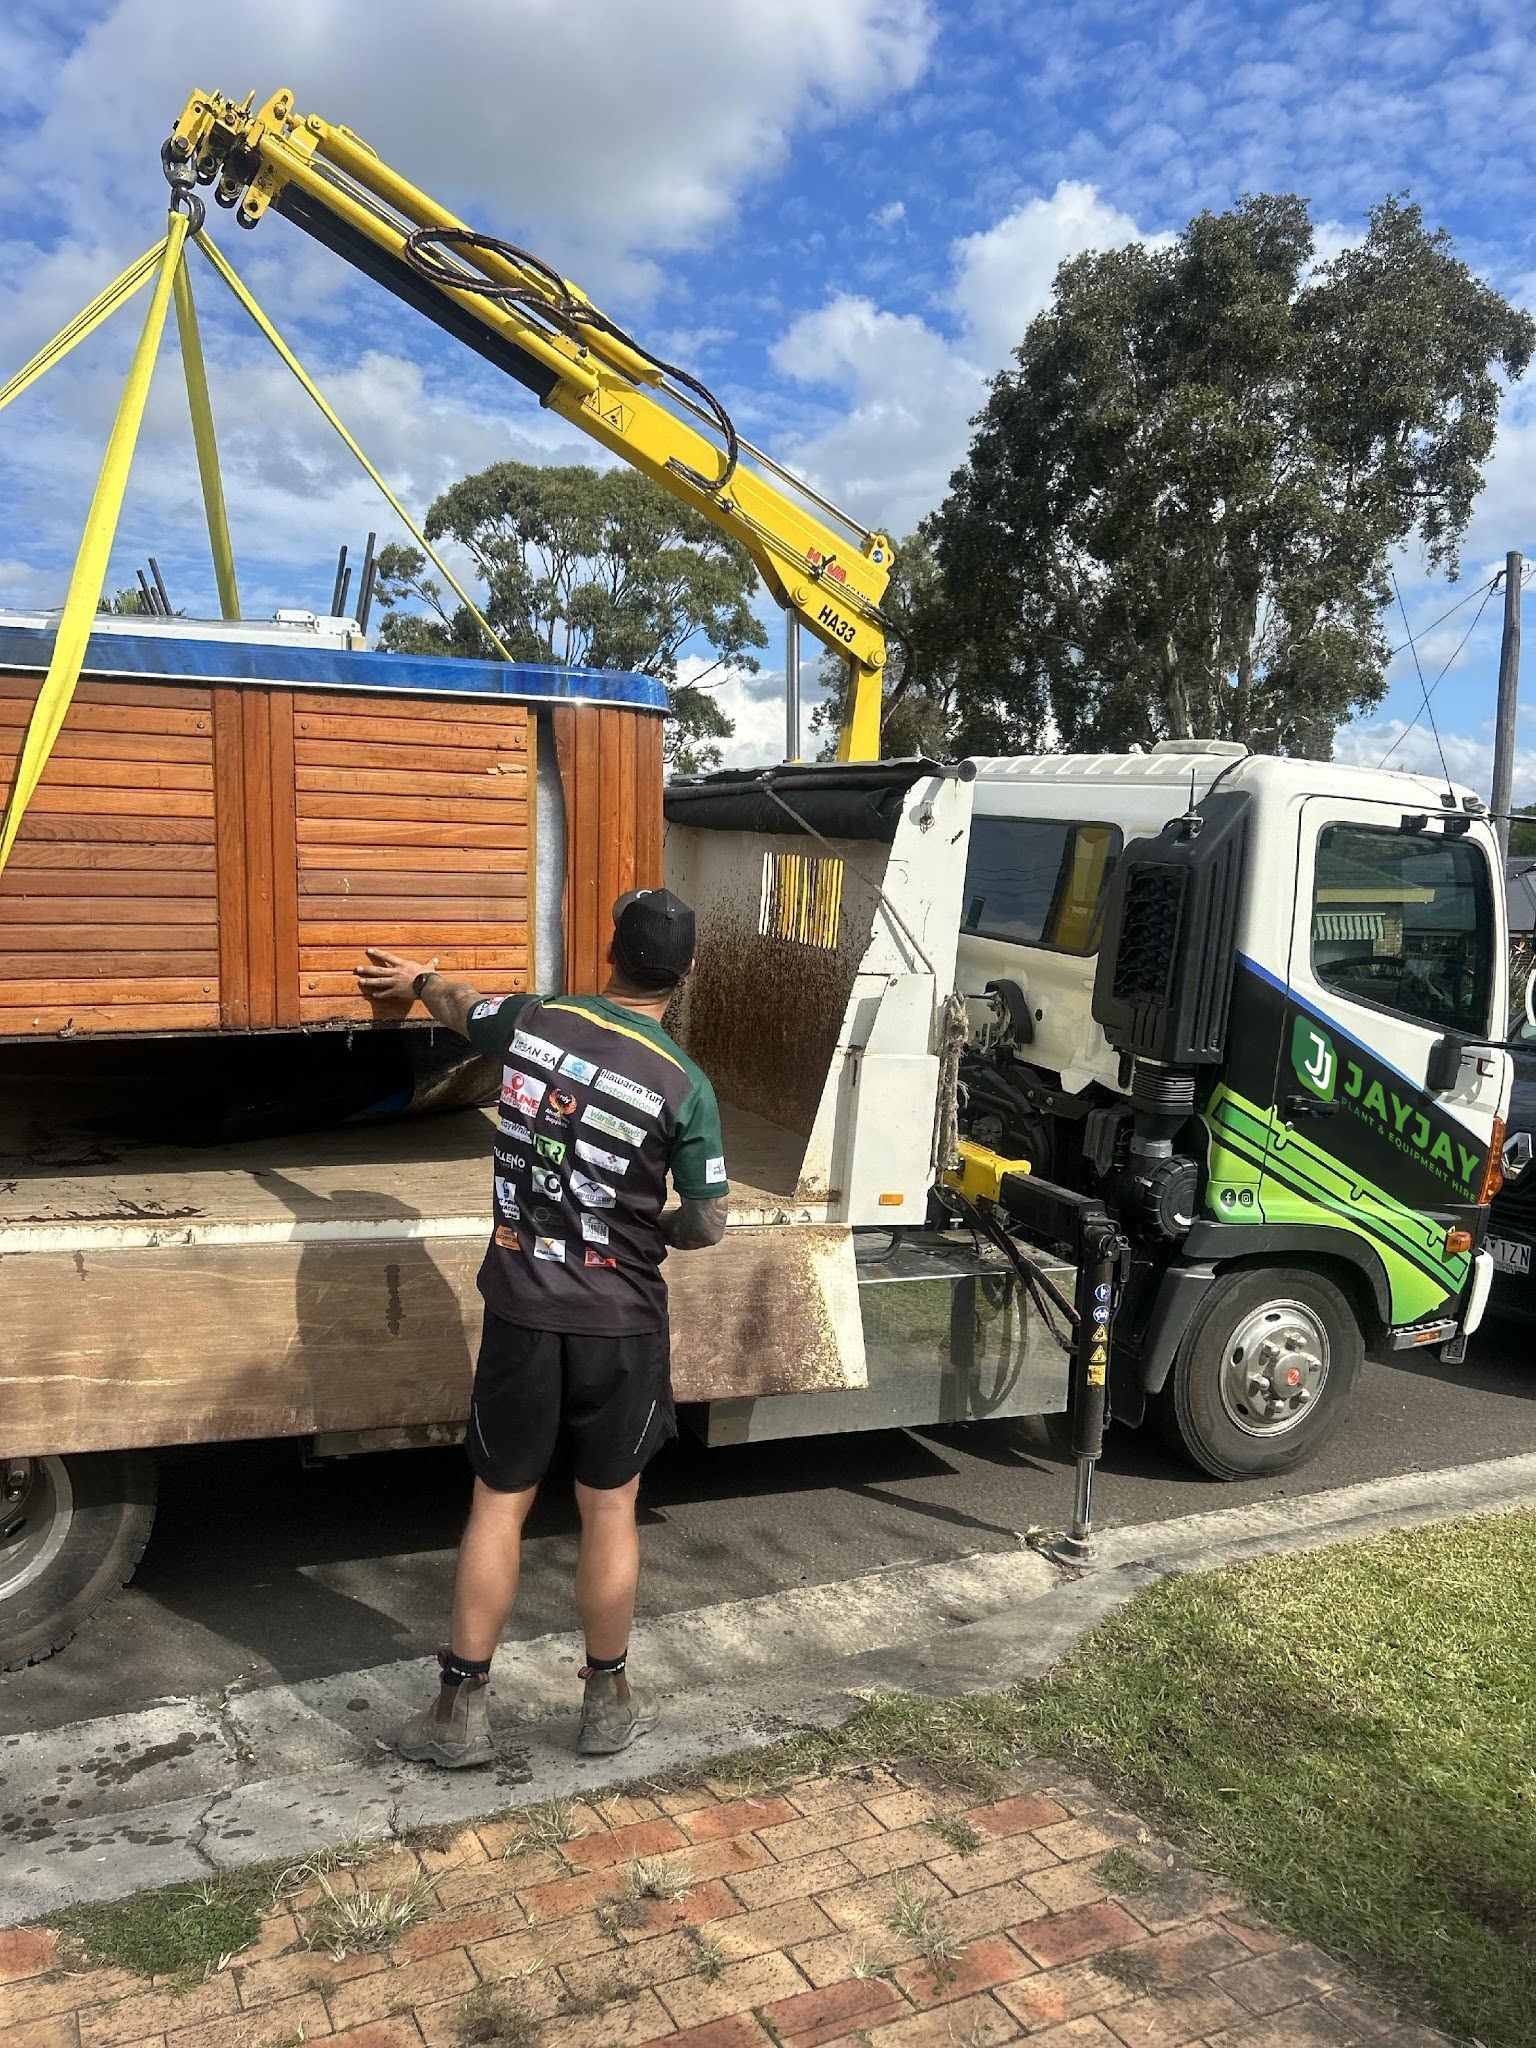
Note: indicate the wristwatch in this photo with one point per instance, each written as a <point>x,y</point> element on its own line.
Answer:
<point>421,981</point>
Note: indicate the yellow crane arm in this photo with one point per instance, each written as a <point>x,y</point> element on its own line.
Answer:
<point>525,318</point>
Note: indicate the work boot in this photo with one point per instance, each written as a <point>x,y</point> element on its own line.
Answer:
<point>610,1715</point>
<point>454,1733</point>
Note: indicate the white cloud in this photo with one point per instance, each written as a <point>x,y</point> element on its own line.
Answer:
<point>890,215</point>
<point>1468,755</point>
<point>602,135</point>
<point>1003,276</point>
<point>754,702</point>
<point>911,389</point>
<point>607,127</point>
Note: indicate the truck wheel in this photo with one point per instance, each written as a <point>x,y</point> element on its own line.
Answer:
<point>1264,1375</point>
<point>72,1529</point>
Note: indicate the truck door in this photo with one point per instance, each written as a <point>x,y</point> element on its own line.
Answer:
<point>1393,949</point>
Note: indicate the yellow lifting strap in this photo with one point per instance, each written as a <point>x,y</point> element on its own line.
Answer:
<point>205,441</point>
<point>90,571</point>
<point>85,322</point>
<point>231,278</point>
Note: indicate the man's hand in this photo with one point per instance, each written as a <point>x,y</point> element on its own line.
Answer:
<point>389,979</point>
<point>389,983</point>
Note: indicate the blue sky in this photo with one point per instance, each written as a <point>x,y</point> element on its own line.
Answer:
<point>841,213</point>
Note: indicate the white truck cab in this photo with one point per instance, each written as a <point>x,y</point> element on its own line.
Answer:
<point>1311,1046</point>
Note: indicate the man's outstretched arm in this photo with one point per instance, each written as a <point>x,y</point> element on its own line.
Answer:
<point>694,1226</point>
<point>391,981</point>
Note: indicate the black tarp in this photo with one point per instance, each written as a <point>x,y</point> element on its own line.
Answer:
<point>838,799</point>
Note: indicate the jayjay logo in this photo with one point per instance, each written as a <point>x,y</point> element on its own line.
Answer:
<point>1313,1057</point>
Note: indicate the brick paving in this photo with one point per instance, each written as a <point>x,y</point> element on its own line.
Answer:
<point>846,1911</point>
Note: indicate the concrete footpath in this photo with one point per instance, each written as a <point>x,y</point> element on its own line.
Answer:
<point>99,1808</point>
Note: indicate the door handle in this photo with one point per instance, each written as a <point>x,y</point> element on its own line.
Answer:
<point>1308,1105</point>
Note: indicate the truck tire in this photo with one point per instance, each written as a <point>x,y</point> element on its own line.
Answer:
<point>1264,1374</point>
<point>72,1530</point>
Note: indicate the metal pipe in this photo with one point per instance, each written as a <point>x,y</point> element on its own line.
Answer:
<point>147,594</point>
<point>365,582</point>
<point>341,570</point>
<point>365,595</point>
<point>791,686</point>
<point>165,595</point>
<point>339,609</point>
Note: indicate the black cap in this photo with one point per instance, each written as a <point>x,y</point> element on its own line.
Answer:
<point>653,937</point>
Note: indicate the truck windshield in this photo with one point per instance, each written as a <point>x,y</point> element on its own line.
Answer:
<point>1404,921</point>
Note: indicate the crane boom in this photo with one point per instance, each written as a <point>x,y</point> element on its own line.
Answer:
<point>525,318</point>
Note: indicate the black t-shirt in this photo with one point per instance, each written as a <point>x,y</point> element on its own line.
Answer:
<point>598,1105</point>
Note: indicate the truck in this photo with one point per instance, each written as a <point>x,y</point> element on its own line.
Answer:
<point>1158,1086</point>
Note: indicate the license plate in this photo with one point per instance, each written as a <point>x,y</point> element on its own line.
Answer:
<point>1509,1255</point>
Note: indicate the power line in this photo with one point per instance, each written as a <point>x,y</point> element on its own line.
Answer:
<point>1424,687</point>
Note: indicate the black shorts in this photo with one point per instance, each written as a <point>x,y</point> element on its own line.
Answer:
<point>612,1396</point>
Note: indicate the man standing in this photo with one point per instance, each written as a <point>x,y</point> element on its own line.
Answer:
<point>598,1106</point>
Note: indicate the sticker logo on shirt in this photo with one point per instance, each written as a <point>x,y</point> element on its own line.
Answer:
<point>514,1162</point>
<point>512,1130</point>
<point>550,1248</point>
<point>594,1155</point>
<point>506,1198</point>
<point>522,1092</point>
<point>714,1169</point>
<point>559,1105</point>
<point>615,1126</point>
<point>646,1100</point>
<point>507,1238</point>
<point>592,1194</point>
<point>578,1069</point>
<point>552,1149</point>
<point>541,1219</point>
<point>598,1258</point>
<point>549,1184</point>
<point>594,1229</point>
<point>538,1050</point>
<point>486,1009</point>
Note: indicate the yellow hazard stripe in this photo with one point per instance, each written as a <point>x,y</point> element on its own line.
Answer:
<point>624,1031</point>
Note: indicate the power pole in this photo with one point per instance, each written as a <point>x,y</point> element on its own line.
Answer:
<point>1509,694</point>
<point>791,686</point>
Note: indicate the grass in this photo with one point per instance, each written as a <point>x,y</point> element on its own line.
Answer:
<point>364,1922</point>
<point>493,2017</point>
<point>181,1931</point>
<point>956,1832</point>
<point>1349,1738</point>
<point>709,1958</point>
<point>543,1827</point>
<point>966,1742</point>
<point>1125,1873</point>
<point>650,1878</point>
<point>914,1919</point>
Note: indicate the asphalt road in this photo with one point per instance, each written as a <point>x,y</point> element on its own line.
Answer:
<point>260,1566</point>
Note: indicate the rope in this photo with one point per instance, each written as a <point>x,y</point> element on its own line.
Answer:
<point>328,412</point>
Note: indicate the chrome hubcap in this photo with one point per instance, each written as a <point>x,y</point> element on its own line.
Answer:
<point>1274,1368</point>
<point>37,1506</point>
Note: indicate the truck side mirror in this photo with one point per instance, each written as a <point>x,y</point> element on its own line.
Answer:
<point>1444,1068</point>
